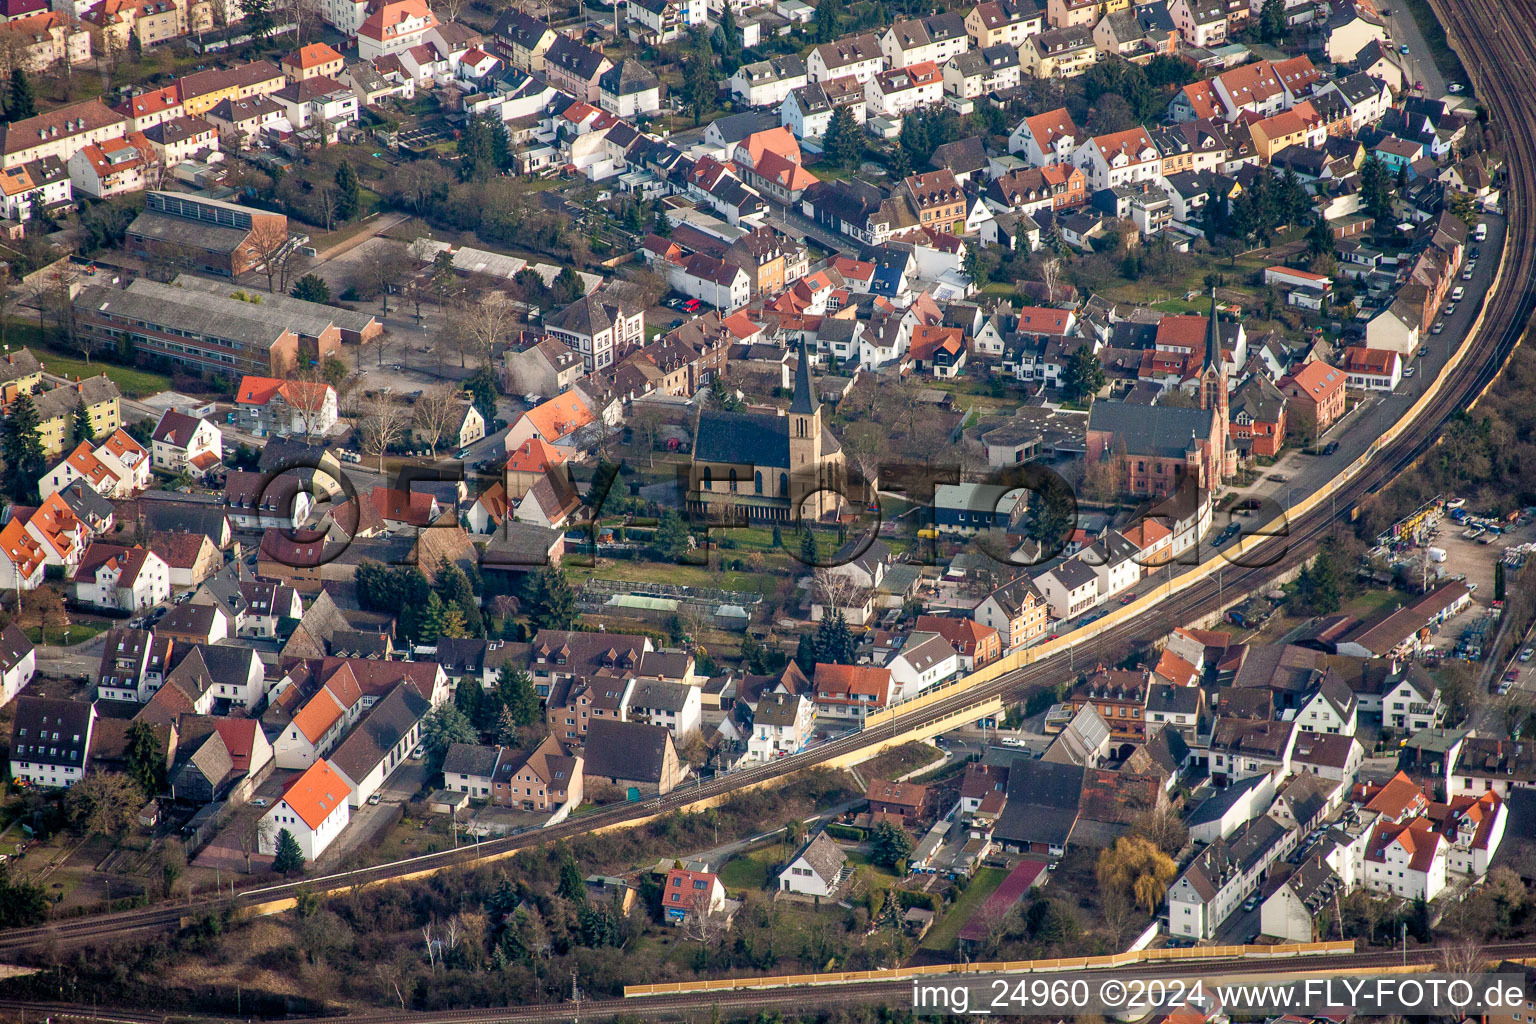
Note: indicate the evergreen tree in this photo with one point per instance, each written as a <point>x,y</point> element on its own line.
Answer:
<point>349,195</point>
<point>506,729</point>
<point>1083,374</point>
<point>663,224</point>
<point>899,165</point>
<point>23,101</point>
<point>430,626</point>
<point>805,654</point>
<point>1272,21</point>
<point>810,553</point>
<point>699,86</point>
<point>469,697</point>
<point>842,142</point>
<point>518,699</point>
<point>555,606</point>
<point>144,761</point>
<point>567,287</point>
<point>1319,238</point>
<point>571,886</point>
<point>1376,189</point>
<point>311,288</point>
<point>289,857</point>
<point>778,536</point>
<point>482,391</point>
<point>80,428</point>
<point>834,641</point>
<point>671,536</point>
<point>21,446</point>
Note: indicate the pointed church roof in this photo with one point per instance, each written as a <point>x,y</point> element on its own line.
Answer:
<point>1212,339</point>
<point>804,403</point>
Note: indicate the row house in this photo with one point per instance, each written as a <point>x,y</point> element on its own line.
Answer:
<point>118,578</point>
<point>59,133</point>
<point>147,109</point>
<point>1223,875</point>
<point>181,139</point>
<point>201,91</point>
<point>575,69</point>
<point>932,40</point>
<point>318,101</point>
<point>1003,23</point>
<point>940,202</point>
<point>1121,158</point>
<point>1367,99</point>
<point>899,91</point>
<point>767,83</point>
<point>850,692</point>
<point>1272,135</point>
<point>1053,187</point>
<point>522,40</point>
<point>122,24</point>
<point>46,40</point>
<point>654,22</point>
<point>114,469</point>
<point>1047,138</point>
<point>27,189</point>
<point>1120,698</point>
<point>807,110</point>
<point>858,57</point>
<point>1059,53</point>
<point>1193,146</point>
<point>1138,34</point>
<point>1202,23</point>
<point>599,329</point>
<point>978,72</point>
<point>1084,13</point>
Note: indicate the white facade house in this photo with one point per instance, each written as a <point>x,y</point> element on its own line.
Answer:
<point>781,725</point>
<point>51,740</point>
<point>899,91</point>
<point>1331,708</point>
<point>924,661</point>
<point>125,579</point>
<point>935,39</point>
<point>313,809</point>
<point>1223,875</point>
<point>182,442</point>
<point>767,83</point>
<point>816,869</point>
<point>701,276</point>
<point>18,662</point>
<point>858,57</point>
<point>1115,561</point>
<point>677,706</point>
<point>1070,589</point>
<point>1120,158</point>
<point>1406,860</point>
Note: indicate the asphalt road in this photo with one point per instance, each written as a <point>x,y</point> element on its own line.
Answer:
<point>1420,64</point>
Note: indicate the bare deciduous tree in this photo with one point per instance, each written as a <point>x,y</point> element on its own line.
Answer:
<point>647,422</point>
<point>436,411</point>
<point>257,832</point>
<point>384,422</point>
<point>310,399</point>
<point>837,591</point>
<point>482,325</point>
<point>270,246</point>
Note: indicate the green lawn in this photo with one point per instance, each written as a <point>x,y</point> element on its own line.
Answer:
<point>685,576</point>
<point>942,936</point>
<point>749,870</point>
<point>132,383</point>
<point>79,633</point>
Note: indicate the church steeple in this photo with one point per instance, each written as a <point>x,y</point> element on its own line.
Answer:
<point>1212,339</point>
<point>804,402</point>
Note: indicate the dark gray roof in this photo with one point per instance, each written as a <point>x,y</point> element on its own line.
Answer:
<point>626,78</point>
<point>660,696</point>
<point>632,751</point>
<point>745,438</point>
<point>963,154</point>
<point>580,61</point>
<point>1214,807</point>
<point>1042,802</point>
<point>777,709</point>
<point>1173,700</point>
<point>824,856</point>
<point>380,731</point>
<point>162,227</point>
<point>470,759</point>
<point>51,731</point>
<point>1164,431</point>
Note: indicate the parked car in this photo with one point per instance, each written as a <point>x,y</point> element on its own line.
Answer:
<point>419,752</point>
<point>1409,372</point>
<point>1454,87</point>
<point>1528,654</point>
<point>1423,350</point>
<point>1438,328</point>
<point>1403,49</point>
<point>1457,293</point>
<point>374,799</point>
<point>1450,308</point>
<point>1333,446</point>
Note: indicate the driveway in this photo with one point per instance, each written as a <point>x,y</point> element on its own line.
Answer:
<point>74,660</point>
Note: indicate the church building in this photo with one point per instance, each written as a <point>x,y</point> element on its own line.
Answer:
<point>1158,446</point>
<point>770,467</point>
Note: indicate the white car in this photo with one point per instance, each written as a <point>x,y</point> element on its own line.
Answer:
<point>1454,87</point>
<point>1457,293</point>
<point>1410,371</point>
<point>1528,654</point>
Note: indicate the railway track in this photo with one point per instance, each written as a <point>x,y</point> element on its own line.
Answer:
<point>895,994</point>
<point>1495,42</point>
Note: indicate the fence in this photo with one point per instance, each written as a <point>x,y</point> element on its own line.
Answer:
<point>1077,963</point>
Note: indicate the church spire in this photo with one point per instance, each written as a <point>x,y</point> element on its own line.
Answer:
<point>804,403</point>
<point>1212,338</point>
